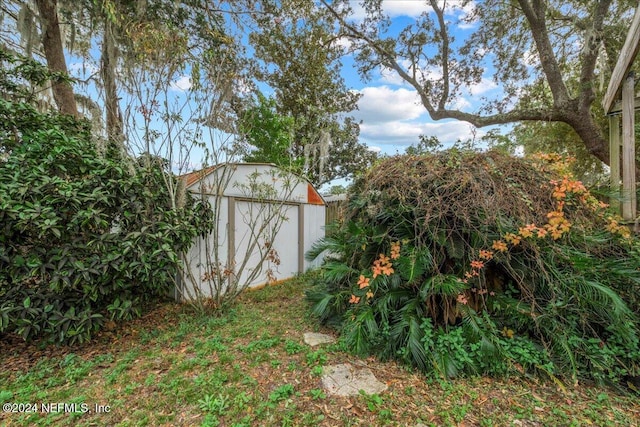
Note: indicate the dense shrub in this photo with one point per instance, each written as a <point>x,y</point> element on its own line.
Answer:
<point>465,262</point>
<point>83,237</point>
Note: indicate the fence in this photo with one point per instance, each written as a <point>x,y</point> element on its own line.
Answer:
<point>335,208</point>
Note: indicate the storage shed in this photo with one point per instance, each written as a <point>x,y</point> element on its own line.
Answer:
<point>267,219</point>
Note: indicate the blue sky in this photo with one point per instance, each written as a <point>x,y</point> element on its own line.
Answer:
<point>390,110</point>
<point>391,115</point>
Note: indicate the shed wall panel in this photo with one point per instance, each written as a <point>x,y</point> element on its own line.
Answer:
<point>203,254</point>
<point>285,186</point>
<point>237,212</point>
<point>250,218</point>
<point>314,225</point>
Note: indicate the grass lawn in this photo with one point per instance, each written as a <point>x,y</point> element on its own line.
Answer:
<point>252,368</point>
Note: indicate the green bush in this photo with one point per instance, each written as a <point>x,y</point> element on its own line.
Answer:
<point>82,237</point>
<point>464,262</point>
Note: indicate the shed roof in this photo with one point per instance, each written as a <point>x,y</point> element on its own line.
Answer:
<point>313,196</point>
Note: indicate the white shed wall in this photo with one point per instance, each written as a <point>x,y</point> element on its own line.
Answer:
<point>202,250</point>
<point>285,244</point>
<point>287,186</point>
<point>304,224</point>
<point>314,224</point>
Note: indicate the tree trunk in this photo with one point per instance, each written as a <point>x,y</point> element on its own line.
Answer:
<point>590,133</point>
<point>54,53</point>
<point>108,73</point>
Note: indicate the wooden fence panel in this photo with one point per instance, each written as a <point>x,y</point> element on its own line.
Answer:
<point>335,211</point>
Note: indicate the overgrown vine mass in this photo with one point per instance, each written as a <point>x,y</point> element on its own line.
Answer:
<point>464,262</point>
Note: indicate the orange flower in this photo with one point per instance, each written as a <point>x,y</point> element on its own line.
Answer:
<point>382,266</point>
<point>387,270</point>
<point>559,194</point>
<point>486,254</point>
<point>512,238</point>
<point>555,214</point>
<point>499,245</point>
<point>462,299</point>
<point>527,231</point>
<point>477,264</point>
<point>385,259</point>
<point>556,234</point>
<point>541,232</point>
<point>363,282</point>
<point>395,250</point>
<point>354,299</point>
<point>377,270</point>
<point>369,294</point>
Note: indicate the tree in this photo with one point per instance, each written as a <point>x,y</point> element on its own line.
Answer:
<point>336,190</point>
<point>547,136</point>
<point>522,40</point>
<point>54,54</point>
<point>300,60</point>
<point>267,134</point>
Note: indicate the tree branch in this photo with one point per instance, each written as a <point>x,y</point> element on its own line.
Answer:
<point>444,35</point>
<point>590,53</point>
<point>442,112</point>
<point>534,12</point>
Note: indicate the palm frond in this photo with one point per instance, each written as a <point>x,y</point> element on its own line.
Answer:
<point>331,246</point>
<point>605,302</point>
<point>443,285</point>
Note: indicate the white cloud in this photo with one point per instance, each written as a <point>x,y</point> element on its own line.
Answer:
<point>393,119</point>
<point>394,8</point>
<point>182,84</point>
<point>403,134</point>
<point>414,8</point>
<point>343,42</point>
<point>382,104</point>
<point>529,58</point>
<point>519,151</point>
<point>485,85</point>
<point>461,104</point>
<point>464,14</point>
<point>410,8</point>
<point>389,76</point>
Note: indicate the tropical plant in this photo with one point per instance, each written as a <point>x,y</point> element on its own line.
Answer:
<point>462,262</point>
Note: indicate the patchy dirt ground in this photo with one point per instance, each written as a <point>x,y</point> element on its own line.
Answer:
<point>251,367</point>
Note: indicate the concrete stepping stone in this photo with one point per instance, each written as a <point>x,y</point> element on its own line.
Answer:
<point>347,380</point>
<point>314,338</point>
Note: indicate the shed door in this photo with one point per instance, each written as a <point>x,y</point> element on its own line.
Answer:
<point>249,218</point>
